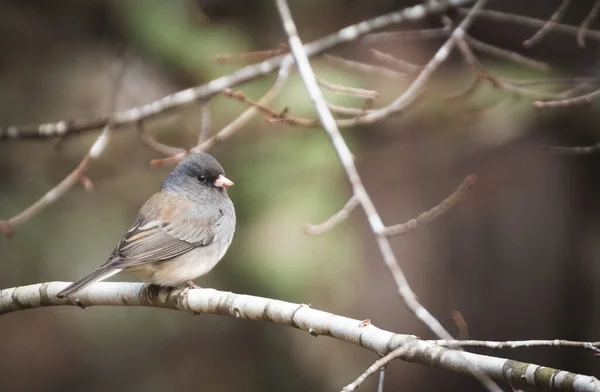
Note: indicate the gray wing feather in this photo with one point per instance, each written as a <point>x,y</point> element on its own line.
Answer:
<point>151,241</point>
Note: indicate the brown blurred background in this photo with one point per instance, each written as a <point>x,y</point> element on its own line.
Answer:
<point>518,257</point>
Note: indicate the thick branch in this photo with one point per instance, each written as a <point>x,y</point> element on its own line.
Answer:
<point>303,317</point>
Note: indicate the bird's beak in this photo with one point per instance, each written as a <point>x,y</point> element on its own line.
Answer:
<point>223,182</point>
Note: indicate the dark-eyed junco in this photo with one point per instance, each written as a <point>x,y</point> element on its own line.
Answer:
<point>181,232</point>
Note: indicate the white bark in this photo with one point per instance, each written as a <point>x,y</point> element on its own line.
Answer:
<point>299,316</point>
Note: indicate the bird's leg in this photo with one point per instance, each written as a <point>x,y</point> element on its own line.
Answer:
<point>192,285</point>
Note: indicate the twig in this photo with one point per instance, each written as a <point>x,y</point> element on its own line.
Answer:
<point>249,114</point>
<point>7,226</point>
<point>395,36</point>
<point>78,174</point>
<point>531,22</point>
<point>298,316</point>
<point>346,111</point>
<point>574,150</point>
<point>253,56</point>
<point>562,103</point>
<point>154,144</point>
<point>392,61</point>
<point>355,92</point>
<point>436,211</point>
<point>345,156</point>
<point>506,54</point>
<point>366,69</point>
<point>247,73</point>
<point>470,90</point>
<point>333,220</point>
<point>204,123</point>
<point>461,324</point>
<point>559,343</point>
<point>545,29</point>
<point>586,24</point>
<point>379,364</point>
<point>274,117</point>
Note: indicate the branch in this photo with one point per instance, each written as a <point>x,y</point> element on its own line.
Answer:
<point>545,29</point>
<point>245,74</point>
<point>559,343</point>
<point>302,317</point>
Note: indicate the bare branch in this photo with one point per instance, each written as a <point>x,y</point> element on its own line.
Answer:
<point>558,343</point>
<point>7,226</point>
<point>302,317</point>
<point>253,56</point>
<point>249,114</point>
<point>379,364</point>
<point>436,211</point>
<point>346,158</point>
<point>154,144</point>
<point>587,23</point>
<point>395,36</point>
<point>550,23</point>
<point>562,103</point>
<point>333,220</point>
<point>353,91</point>
<point>245,74</point>
<point>78,174</point>
<point>506,54</point>
<point>392,61</point>
<point>531,22</point>
<point>363,68</point>
<point>204,123</point>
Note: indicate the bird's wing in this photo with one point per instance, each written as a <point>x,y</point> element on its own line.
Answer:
<point>164,232</point>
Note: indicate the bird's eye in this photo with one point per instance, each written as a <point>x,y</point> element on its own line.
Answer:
<point>201,178</point>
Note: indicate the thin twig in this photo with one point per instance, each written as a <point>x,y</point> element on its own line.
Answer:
<point>205,123</point>
<point>550,23</point>
<point>333,220</point>
<point>392,61</point>
<point>563,103</point>
<point>353,91</point>
<point>154,144</point>
<point>254,56</point>
<point>78,174</point>
<point>559,343</point>
<point>203,92</point>
<point>436,211</point>
<point>461,324</point>
<point>587,23</point>
<point>366,69</point>
<point>379,364</point>
<point>395,36</point>
<point>346,158</point>
<point>506,54</point>
<point>467,92</point>
<point>346,111</point>
<point>531,22</point>
<point>234,126</point>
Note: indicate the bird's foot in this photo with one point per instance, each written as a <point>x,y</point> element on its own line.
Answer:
<point>192,285</point>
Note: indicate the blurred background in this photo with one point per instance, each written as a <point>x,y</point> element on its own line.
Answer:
<point>517,257</point>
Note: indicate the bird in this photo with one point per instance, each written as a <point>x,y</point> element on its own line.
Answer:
<point>180,233</point>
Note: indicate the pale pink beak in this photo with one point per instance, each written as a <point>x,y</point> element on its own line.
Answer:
<point>223,182</point>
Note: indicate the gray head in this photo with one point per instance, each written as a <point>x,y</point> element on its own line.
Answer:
<point>197,174</point>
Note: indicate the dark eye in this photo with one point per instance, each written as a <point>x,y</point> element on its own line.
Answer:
<point>201,178</point>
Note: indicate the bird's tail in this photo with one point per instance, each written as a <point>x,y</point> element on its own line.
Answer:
<point>96,276</point>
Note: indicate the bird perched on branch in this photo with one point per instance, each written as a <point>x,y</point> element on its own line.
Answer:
<point>181,232</point>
